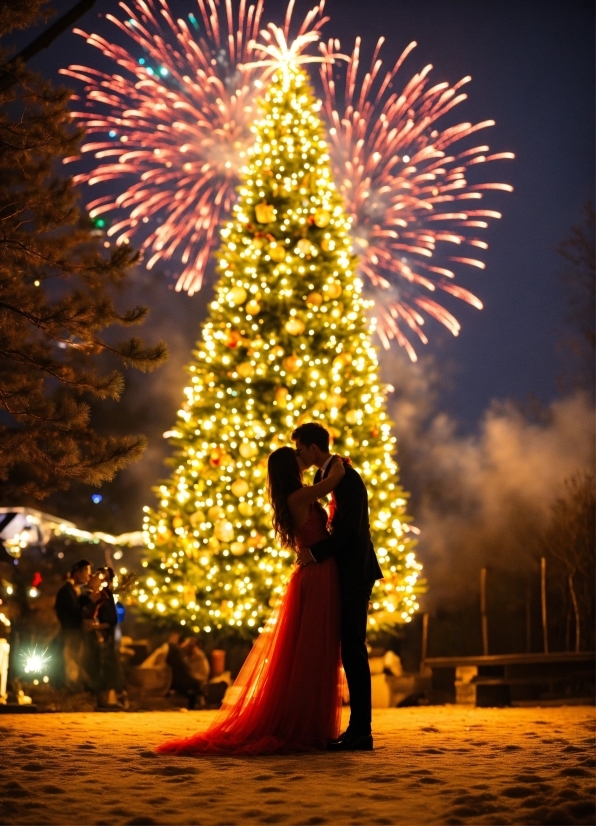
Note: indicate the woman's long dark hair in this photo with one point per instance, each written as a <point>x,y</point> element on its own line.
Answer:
<point>283,479</point>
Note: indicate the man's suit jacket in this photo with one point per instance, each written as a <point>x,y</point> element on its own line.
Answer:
<point>350,541</point>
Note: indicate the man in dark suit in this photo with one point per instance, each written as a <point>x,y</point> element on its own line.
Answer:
<point>351,545</point>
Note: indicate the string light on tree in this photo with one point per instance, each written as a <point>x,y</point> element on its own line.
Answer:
<point>286,341</point>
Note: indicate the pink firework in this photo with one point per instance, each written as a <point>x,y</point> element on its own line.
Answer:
<point>174,124</point>
<point>404,184</point>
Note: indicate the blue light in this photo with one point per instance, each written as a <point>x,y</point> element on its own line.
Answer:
<point>142,61</point>
<point>96,498</point>
<point>163,71</point>
<point>120,612</point>
<point>112,133</point>
<point>149,70</point>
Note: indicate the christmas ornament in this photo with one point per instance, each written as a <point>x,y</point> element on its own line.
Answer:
<point>233,339</point>
<point>335,400</point>
<point>342,361</point>
<point>314,299</point>
<point>245,509</point>
<point>238,548</point>
<point>248,450</point>
<point>253,307</point>
<point>215,513</point>
<point>177,521</point>
<point>354,416</point>
<point>281,396</point>
<point>236,296</point>
<point>327,245</point>
<point>322,218</point>
<point>224,531</point>
<point>219,457</point>
<point>304,246</point>
<point>292,364</point>
<point>332,289</point>
<point>265,213</point>
<point>277,252</point>
<point>196,518</point>
<point>294,326</point>
<point>245,370</point>
<point>240,487</point>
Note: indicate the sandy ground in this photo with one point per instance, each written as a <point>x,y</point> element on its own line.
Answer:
<point>437,764</point>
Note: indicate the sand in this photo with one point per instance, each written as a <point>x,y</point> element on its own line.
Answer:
<point>431,765</point>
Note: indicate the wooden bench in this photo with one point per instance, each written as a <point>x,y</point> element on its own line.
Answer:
<point>512,679</point>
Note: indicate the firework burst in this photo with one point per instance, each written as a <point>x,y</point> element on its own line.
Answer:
<point>174,123</point>
<point>406,189</point>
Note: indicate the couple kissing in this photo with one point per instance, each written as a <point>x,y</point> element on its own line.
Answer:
<point>288,694</point>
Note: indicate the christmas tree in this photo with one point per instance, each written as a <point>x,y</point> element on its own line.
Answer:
<point>286,341</point>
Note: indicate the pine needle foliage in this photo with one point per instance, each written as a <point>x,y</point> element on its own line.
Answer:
<point>58,287</point>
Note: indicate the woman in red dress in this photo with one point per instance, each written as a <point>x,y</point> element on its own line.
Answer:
<point>287,697</point>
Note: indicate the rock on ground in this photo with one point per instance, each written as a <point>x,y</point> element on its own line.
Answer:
<point>433,765</point>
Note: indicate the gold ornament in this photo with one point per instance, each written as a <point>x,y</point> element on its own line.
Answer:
<point>265,213</point>
<point>177,521</point>
<point>292,364</point>
<point>196,518</point>
<point>248,450</point>
<point>213,544</point>
<point>253,308</point>
<point>277,351</point>
<point>322,218</point>
<point>245,370</point>
<point>342,360</point>
<point>246,509</point>
<point>236,295</point>
<point>215,513</point>
<point>304,246</point>
<point>238,548</point>
<point>332,289</point>
<point>189,593</point>
<point>354,416</point>
<point>258,242</point>
<point>277,252</point>
<point>314,299</point>
<point>256,541</point>
<point>240,487</point>
<point>224,531</point>
<point>281,396</point>
<point>335,400</point>
<point>294,326</point>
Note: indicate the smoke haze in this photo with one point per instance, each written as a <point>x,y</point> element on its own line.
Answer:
<point>481,499</point>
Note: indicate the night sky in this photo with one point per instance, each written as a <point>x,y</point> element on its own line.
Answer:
<point>532,67</point>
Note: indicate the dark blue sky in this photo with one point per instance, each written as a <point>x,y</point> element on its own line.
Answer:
<point>532,67</point>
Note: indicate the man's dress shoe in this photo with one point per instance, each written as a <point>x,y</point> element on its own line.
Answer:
<point>351,742</point>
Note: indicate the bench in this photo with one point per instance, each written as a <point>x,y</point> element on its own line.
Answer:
<point>512,679</point>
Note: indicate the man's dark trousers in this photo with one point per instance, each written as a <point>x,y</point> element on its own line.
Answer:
<point>354,656</point>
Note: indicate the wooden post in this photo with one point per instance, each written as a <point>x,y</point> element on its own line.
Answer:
<point>424,641</point>
<point>483,611</point>
<point>575,612</point>
<point>543,601</point>
<point>528,621</point>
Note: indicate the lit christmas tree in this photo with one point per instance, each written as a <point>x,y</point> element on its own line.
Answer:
<point>286,341</point>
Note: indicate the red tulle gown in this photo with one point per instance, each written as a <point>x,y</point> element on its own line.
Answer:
<point>287,697</point>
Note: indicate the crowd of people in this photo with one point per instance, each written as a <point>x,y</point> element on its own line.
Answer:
<point>89,644</point>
